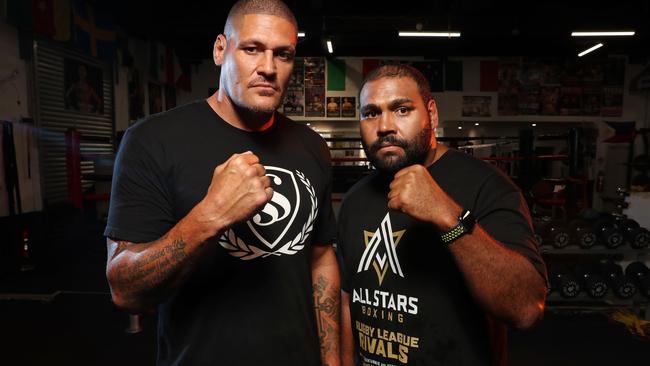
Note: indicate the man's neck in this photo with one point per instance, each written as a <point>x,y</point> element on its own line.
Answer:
<point>434,154</point>
<point>241,118</point>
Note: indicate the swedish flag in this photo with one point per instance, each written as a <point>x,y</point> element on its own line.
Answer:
<point>94,30</point>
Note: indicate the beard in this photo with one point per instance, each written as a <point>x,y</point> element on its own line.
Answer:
<point>415,151</point>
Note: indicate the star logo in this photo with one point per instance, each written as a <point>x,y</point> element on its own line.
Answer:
<point>380,250</point>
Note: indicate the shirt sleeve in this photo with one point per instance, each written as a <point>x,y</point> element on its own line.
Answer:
<point>140,207</point>
<point>502,212</point>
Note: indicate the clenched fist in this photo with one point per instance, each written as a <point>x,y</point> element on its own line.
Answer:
<point>414,192</point>
<point>239,188</point>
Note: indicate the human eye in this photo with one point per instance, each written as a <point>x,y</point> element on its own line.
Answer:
<point>403,111</point>
<point>369,115</point>
<point>251,50</point>
<point>285,55</point>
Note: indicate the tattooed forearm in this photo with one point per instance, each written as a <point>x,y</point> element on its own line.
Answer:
<point>143,273</point>
<point>327,304</point>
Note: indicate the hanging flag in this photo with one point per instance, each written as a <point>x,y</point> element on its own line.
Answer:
<point>43,13</point>
<point>369,65</point>
<point>335,75</point>
<point>52,18</point>
<point>454,75</point>
<point>432,71</point>
<point>94,30</point>
<point>489,75</point>
<point>62,20</point>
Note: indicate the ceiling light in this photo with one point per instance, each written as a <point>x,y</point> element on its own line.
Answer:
<point>602,34</point>
<point>302,34</point>
<point>476,124</point>
<point>460,127</point>
<point>534,124</point>
<point>330,48</point>
<point>430,34</point>
<point>308,124</point>
<point>590,50</point>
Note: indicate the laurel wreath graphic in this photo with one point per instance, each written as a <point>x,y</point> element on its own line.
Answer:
<point>238,248</point>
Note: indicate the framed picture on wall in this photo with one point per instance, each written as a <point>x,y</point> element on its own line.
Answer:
<point>333,106</point>
<point>348,106</point>
<point>476,106</point>
<point>83,87</point>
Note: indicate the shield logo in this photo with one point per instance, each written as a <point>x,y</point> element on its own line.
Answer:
<point>270,225</point>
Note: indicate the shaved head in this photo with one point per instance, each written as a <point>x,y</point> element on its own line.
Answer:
<point>268,7</point>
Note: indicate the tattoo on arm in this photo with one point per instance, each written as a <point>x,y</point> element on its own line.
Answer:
<point>150,272</point>
<point>327,304</point>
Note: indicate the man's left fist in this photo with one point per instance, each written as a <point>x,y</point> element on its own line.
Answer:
<point>414,192</point>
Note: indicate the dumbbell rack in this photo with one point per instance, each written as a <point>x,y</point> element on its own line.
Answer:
<point>639,303</point>
<point>585,303</point>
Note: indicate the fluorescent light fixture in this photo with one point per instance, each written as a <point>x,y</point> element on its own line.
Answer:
<point>590,50</point>
<point>430,34</point>
<point>602,34</point>
<point>302,34</point>
<point>330,48</point>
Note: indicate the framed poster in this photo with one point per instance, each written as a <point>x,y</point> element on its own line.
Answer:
<point>333,106</point>
<point>83,87</point>
<point>476,106</point>
<point>348,106</point>
<point>315,102</point>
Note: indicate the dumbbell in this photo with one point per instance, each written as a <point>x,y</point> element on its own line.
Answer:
<point>634,234</point>
<point>608,233</point>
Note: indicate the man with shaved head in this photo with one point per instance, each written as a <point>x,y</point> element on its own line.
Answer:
<point>221,217</point>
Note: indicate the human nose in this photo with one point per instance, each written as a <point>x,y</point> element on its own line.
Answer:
<point>386,125</point>
<point>267,66</point>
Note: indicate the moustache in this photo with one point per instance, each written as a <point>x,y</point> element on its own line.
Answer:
<point>388,140</point>
<point>262,81</point>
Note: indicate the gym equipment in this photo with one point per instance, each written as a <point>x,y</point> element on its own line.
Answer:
<point>565,283</point>
<point>622,285</point>
<point>640,274</point>
<point>634,234</point>
<point>582,233</point>
<point>608,234</point>
<point>592,281</point>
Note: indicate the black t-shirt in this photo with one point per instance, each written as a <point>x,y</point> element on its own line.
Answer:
<point>250,304</point>
<point>408,300</point>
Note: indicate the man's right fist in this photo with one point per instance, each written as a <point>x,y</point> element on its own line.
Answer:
<point>239,188</point>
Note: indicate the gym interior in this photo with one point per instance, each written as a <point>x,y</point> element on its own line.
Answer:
<point>566,115</point>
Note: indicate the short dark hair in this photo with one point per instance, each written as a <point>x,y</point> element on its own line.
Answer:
<point>268,7</point>
<point>395,70</point>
